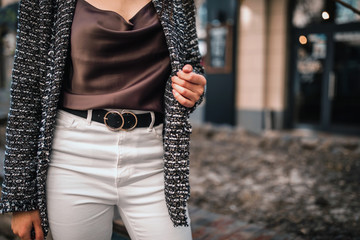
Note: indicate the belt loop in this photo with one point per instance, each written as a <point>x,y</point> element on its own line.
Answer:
<point>152,120</point>
<point>89,115</point>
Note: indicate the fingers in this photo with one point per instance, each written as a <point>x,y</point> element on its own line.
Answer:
<point>195,88</point>
<point>188,86</point>
<point>182,100</point>
<point>23,222</point>
<point>185,92</point>
<point>21,225</point>
<point>192,77</point>
<point>187,68</point>
<point>24,231</point>
<point>39,234</point>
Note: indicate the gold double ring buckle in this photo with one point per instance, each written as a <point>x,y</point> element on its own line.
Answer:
<point>121,115</point>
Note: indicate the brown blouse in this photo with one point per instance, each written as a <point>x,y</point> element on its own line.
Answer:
<point>115,63</point>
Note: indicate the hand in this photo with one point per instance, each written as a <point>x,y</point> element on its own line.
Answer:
<point>23,222</point>
<point>188,86</point>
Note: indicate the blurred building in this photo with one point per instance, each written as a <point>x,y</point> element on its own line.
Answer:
<point>272,64</point>
<point>282,64</point>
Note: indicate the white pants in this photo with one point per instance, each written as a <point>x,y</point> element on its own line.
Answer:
<point>94,170</point>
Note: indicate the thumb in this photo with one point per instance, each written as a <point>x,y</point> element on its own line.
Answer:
<point>187,68</point>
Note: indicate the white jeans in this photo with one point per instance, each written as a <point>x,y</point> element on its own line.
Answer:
<point>94,170</point>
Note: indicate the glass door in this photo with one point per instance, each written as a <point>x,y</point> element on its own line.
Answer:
<point>325,70</point>
<point>344,86</point>
<point>309,78</point>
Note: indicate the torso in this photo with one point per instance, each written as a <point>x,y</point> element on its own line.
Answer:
<point>125,8</point>
<point>41,104</point>
<point>113,60</point>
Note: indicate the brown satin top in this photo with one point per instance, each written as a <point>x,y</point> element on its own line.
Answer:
<point>115,63</point>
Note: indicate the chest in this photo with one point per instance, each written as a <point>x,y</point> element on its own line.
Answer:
<point>125,8</point>
<point>174,24</point>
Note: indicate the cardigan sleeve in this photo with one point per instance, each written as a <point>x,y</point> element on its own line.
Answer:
<point>19,191</point>
<point>192,45</point>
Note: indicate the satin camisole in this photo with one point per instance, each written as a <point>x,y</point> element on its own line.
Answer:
<point>115,63</point>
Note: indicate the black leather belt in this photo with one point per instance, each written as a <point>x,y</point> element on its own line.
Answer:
<point>119,120</point>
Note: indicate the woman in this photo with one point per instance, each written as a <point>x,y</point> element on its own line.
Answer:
<point>100,100</point>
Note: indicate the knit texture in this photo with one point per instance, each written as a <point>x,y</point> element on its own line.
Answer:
<point>43,42</point>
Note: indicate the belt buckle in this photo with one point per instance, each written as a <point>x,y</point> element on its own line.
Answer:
<point>135,120</point>
<point>106,119</point>
<point>121,114</point>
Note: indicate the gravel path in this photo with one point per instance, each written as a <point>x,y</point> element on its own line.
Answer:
<point>299,182</point>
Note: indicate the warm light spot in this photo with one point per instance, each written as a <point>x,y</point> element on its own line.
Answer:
<point>303,40</point>
<point>325,15</point>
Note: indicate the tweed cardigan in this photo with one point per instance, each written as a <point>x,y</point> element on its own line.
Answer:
<point>42,48</point>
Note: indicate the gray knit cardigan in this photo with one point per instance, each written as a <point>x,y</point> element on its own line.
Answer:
<point>42,48</point>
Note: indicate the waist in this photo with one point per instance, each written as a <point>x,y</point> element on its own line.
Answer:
<point>120,119</point>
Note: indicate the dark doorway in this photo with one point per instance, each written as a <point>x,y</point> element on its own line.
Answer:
<point>345,80</point>
<point>325,72</point>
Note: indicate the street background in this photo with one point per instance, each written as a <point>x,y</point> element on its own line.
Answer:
<point>275,148</point>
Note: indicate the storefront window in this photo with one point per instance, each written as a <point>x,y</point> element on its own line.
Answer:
<point>307,12</point>
<point>309,83</point>
<point>346,15</point>
<point>326,83</point>
<point>344,88</point>
<point>310,12</point>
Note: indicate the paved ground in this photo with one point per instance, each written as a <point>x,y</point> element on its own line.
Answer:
<point>211,226</point>
<point>303,183</point>
<point>205,226</point>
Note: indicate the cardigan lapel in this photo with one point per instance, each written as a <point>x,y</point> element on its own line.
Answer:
<point>173,21</point>
<point>167,19</point>
<point>63,21</point>
<point>56,60</point>
<point>176,154</point>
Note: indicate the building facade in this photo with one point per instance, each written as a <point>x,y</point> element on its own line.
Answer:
<point>296,65</point>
